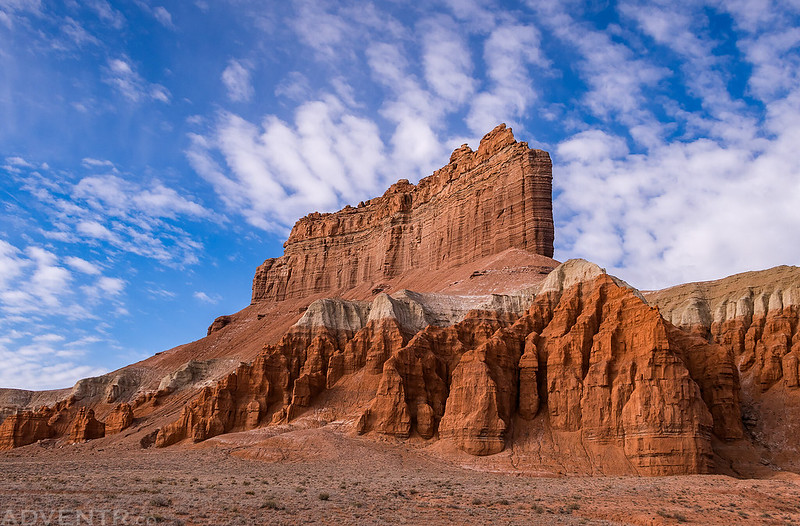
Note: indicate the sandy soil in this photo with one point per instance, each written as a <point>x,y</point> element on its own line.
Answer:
<point>354,481</point>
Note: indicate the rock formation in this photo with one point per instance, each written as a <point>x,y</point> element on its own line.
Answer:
<point>109,388</point>
<point>219,323</point>
<point>119,419</point>
<point>756,317</point>
<point>86,427</point>
<point>568,367</point>
<point>23,428</point>
<point>583,346</point>
<point>482,202</point>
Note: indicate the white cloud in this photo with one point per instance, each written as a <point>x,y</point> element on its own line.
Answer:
<point>95,230</point>
<point>118,212</point>
<point>682,27</point>
<point>163,16</point>
<point>205,298</point>
<point>720,199</point>
<point>12,6</point>
<point>35,282</point>
<point>42,366</point>
<point>685,212</point>
<point>121,75</point>
<point>414,111</point>
<point>18,161</point>
<point>274,173</point>
<point>327,33</point>
<point>294,86</point>
<point>159,93</point>
<point>44,309</point>
<point>592,146</point>
<point>236,78</point>
<point>77,34</point>
<point>49,282</point>
<point>509,52</point>
<point>98,163</point>
<point>117,197</point>
<point>616,77</point>
<point>111,286</point>
<point>49,338</point>
<point>11,264</point>
<point>447,60</point>
<point>107,13</point>
<point>161,293</point>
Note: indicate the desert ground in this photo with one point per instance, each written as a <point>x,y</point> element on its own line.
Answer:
<point>354,480</point>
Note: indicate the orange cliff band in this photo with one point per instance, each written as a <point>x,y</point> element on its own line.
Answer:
<point>483,202</point>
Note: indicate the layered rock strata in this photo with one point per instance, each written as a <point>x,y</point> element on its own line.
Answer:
<point>86,427</point>
<point>483,202</point>
<point>582,351</point>
<point>23,428</point>
<point>64,419</point>
<point>28,427</point>
<point>119,419</point>
<point>332,339</point>
<point>756,316</point>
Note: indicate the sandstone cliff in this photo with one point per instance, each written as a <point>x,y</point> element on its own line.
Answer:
<point>756,317</point>
<point>483,202</point>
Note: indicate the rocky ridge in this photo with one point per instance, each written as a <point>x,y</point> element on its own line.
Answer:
<point>582,354</point>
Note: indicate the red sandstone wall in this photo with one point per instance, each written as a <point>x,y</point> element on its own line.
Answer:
<point>481,203</point>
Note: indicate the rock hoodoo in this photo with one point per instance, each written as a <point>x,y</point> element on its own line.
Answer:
<point>756,317</point>
<point>86,427</point>
<point>119,419</point>
<point>483,202</point>
<point>582,354</point>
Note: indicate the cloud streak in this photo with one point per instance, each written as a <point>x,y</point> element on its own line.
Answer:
<point>110,211</point>
<point>236,78</point>
<point>121,75</point>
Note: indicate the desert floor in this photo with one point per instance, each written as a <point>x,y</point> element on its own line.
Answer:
<point>355,482</point>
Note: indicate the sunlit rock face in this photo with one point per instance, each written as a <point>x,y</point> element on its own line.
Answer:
<point>483,202</point>
<point>756,317</point>
<point>581,353</point>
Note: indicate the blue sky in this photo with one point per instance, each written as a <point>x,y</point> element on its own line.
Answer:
<point>153,154</point>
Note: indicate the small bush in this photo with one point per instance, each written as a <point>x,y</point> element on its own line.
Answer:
<point>271,505</point>
<point>161,502</point>
<point>680,517</point>
<point>324,496</point>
